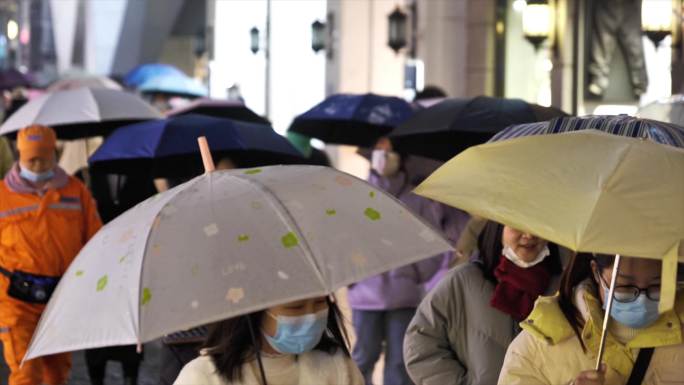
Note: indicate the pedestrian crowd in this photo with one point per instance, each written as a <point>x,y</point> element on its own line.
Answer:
<point>505,307</point>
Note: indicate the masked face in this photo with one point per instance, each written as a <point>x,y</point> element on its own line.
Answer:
<point>638,314</point>
<point>637,291</point>
<point>511,255</point>
<point>385,163</point>
<point>298,334</point>
<point>36,177</point>
<point>523,248</point>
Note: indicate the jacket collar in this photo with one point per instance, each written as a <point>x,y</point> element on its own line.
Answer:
<point>547,322</point>
<point>17,184</point>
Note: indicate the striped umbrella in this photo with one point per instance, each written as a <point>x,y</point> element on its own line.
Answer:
<point>623,125</point>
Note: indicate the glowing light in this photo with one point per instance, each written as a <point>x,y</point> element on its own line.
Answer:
<point>519,5</point>
<point>12,29</point>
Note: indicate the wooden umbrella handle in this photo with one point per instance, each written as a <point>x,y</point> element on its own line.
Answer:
<point>206,155</point>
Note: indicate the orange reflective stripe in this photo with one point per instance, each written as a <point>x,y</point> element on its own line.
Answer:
<point>18,210</point>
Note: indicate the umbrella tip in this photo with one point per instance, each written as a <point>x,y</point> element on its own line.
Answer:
<point>206,155</point>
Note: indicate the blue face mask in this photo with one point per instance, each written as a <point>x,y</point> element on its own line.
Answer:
<point>297,335</point>
<point>639,314</point>
<point>34,176</point>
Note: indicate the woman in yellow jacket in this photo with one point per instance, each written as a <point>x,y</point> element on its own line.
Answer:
<point>561,337</point>
<point>46,217</point>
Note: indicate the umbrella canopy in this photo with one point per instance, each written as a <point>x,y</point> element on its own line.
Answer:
<point>586,190</point>
<point>250,239</point>
<point>81,112</point>
<point>176,85</point>
<point>623,125</point>
<point>220,109</point>
<point>358,120</point>
<point>145,72</point>
<point>70,83</point>
<point>168,147</point>
<point>449,127</point>
<point>13,78</point>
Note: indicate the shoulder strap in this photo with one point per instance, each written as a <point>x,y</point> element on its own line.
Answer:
<point>5,272</point>
<point>640,366</point>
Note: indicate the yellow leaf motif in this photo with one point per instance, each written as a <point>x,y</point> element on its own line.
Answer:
<point>290,240</point>
<point>372,214</point>
<point>102,283</point>
<point>146,296</point>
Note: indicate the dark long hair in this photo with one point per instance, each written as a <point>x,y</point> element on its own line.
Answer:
<point>577,271</point>
<point>230,345</point>
<point>490,248</point>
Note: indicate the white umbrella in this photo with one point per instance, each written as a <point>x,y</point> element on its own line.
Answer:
<point>81,112</point>
<point>226,244</point>
<point>74,82</point>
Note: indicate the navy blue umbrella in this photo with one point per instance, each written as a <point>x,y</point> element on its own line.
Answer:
<point>358,120</point>
<point>168,147</point>
<point>449,127</point>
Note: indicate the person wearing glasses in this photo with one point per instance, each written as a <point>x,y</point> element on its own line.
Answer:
<point>561,337</point>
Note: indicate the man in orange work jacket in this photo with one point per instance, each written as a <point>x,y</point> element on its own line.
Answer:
<point>46,217</point>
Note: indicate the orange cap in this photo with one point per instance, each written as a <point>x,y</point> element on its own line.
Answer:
<point>36,141</point>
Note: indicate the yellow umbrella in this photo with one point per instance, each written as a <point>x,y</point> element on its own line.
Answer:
<point>587,190</point>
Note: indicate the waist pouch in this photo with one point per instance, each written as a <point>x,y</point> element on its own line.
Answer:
<point>31,288</point>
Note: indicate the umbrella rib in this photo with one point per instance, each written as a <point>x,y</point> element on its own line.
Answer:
<point>138,317</point>
<point>285,214</point>
<point>601,190</point>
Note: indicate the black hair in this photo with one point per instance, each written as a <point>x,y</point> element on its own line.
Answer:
<point>230,345</point>
<point>430,92</point>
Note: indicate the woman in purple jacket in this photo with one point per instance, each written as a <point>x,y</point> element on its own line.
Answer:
<point>383,306</point>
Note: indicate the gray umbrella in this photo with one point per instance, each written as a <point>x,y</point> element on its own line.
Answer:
<point>225,244</point>
<point>82,112</point>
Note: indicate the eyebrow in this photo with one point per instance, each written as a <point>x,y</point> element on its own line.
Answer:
<point>632,277</point>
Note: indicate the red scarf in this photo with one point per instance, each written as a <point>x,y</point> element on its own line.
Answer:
<point>518,287</point>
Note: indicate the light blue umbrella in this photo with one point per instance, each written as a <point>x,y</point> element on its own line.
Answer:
<point>145,72</point>
<point>180,85</point>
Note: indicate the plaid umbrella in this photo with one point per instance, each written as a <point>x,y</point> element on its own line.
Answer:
<point>622,125</point>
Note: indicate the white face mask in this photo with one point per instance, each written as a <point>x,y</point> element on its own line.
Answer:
<point>510,254</point>
<point>385,163</point>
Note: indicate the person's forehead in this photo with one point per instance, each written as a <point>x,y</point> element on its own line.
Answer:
<point>631,268</point>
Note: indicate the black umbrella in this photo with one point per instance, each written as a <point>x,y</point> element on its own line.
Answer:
<point>447,128</point>
<point>220,109</point>
<point>357,120</point>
